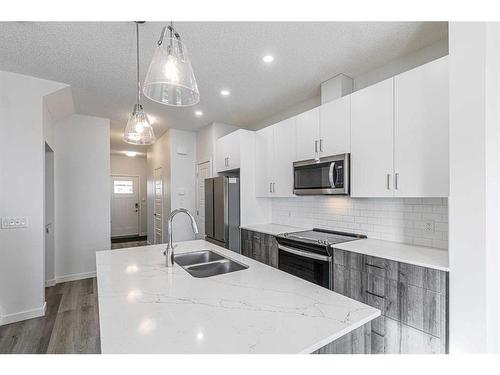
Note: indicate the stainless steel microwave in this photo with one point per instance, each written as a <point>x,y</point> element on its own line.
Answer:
<point>325,176</point>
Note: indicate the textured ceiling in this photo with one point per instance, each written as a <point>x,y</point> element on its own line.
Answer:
<point>98,60</point>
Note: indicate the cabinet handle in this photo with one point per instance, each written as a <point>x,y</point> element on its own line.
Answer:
<point>316,146</point>
<point>320,145</point>
<point>388,181</point>
<point>396,180</point>
<point>274,187</point>
<point>374,294</point>
<point>270,187</point>
<point>374,266</point>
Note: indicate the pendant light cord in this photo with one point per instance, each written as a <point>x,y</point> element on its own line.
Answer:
<point>138,81</point>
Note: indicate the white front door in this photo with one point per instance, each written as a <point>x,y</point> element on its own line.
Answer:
<point>124,206</point>
<point>158,205</point>
<point>204,171</point>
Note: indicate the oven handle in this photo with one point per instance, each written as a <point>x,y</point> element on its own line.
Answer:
<point>330,175</point>
<point>305,254</point>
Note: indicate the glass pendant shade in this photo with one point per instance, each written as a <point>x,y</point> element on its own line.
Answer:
<point>170,79</point>
<point>138,130</point>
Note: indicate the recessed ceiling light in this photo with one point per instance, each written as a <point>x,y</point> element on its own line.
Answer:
<point>224,92</point>
<point>131,153</point>
<point>198,113</point>
<point>268,59</point>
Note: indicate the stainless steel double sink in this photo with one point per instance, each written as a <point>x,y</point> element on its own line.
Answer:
<point>206,263</point>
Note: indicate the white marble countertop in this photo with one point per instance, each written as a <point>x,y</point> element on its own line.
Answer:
<point>400,252</point>
<point>146,308</point>
<point>272,229</point>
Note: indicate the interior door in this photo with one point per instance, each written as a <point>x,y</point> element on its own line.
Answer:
<point>124,206</point>
<point>307,138</point>
<point>284,152</point>
<point>372,141</point>
<point>204,171</point>
<point>158,205</point>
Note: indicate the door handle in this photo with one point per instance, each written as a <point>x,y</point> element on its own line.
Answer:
<point>330,175</point>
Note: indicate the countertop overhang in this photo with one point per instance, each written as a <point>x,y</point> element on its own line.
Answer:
<point>146,308</point>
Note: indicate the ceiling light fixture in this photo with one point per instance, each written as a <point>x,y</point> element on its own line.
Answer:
<point>131,154</point>
<point>138,130</point>
<point>198,113</point>
<point>268,59</point>
<point>224,92</point>
<point>170,79</point>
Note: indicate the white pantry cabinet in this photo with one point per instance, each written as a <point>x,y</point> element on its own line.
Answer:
<point>421,119</point>
<point>227,156</point>
<point>372,141</point>
<point>274,155</point>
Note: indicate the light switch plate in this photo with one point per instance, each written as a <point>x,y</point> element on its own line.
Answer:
<point>14,222</point>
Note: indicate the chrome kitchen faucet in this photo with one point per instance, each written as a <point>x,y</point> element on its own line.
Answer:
<point>169,251</point>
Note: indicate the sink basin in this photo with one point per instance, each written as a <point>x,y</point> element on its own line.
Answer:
<point>215,268</point>
<point>197,257</point>
<point>206,263</point>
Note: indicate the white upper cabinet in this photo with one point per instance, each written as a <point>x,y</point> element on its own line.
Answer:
<point>264,161</point>
<point>227,155</point>
<point>335,127</point>
<point>421,131</point>
<point>274,156</point>
<point>284,153</point>
<point>307,135</point>
<point>372,141</point>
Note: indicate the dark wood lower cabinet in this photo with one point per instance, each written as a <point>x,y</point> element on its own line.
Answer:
<point>413,301</point>
<point>355,342</point>
<point>260,246</point>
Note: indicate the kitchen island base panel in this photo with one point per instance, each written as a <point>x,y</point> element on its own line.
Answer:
<point>358,341</point>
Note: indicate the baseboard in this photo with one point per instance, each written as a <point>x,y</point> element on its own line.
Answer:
<point>75,276</point>
<point>50,282</point>
<point>23,315</point>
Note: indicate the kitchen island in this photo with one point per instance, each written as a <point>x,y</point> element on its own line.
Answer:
<point>145,307</point>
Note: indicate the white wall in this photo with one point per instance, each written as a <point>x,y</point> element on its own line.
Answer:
<point>22,152</point>
<point>391,219</point>
<point>474,208</point>
<point>175,153</point>
<point>82,159</point>
<point>136,166</point>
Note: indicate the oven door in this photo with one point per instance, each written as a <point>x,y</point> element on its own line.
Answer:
<point>309,266</point>
<point>329,175</point>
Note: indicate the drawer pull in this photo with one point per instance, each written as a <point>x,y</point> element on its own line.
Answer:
<point>378,334</point>
<point>374,294</point>
<point>374,266</point>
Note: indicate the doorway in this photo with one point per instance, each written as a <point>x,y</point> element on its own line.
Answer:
<point>158,205</point>
<point>125,212</point>
<point>203,171</point>
<point>49,215</point>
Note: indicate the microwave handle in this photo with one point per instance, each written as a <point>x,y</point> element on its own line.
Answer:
<point>330,175</point>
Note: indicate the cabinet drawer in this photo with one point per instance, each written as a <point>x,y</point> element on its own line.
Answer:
<point>348,259</point>
<point>422,277</point>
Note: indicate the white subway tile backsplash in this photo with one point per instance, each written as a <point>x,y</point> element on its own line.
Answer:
<point>392,219</point>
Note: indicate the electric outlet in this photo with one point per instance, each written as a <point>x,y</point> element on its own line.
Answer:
<point>429,226</point>
<point>14,222</point>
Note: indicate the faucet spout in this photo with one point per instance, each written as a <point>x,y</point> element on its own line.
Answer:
<point>169,251</point>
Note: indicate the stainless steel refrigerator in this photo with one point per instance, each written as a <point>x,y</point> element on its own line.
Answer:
<point>222,211</point>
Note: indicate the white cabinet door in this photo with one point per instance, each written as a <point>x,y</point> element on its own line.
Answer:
<point>264,161</point>
<point>284,152</point>
<point>421,131</point>
<point>228,152</point>
<point>307,138</point>
<point>335,127</point>
<point>372,140</point>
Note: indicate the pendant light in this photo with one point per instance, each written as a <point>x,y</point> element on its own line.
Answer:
<point>138,130</point>
<point>170,79</point>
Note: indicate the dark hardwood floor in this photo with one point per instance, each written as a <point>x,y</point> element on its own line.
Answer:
<point>70,325</point>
